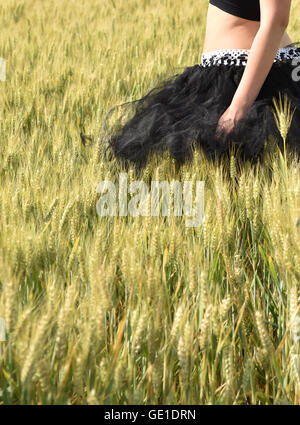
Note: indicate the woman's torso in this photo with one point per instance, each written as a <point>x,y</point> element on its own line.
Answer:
<point>226,31</point>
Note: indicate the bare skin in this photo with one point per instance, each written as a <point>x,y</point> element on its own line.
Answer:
<point>225,31</point>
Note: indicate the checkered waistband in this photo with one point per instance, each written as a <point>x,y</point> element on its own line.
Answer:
<point>239,57</point>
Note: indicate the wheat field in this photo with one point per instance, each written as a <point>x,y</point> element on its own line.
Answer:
<point>134,310</point>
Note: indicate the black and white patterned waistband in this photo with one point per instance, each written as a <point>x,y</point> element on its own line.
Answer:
<point>239,57</point>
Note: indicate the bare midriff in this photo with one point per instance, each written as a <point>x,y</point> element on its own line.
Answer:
<point>225,31</point>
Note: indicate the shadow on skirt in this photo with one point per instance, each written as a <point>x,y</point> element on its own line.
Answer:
<point>182,112</point>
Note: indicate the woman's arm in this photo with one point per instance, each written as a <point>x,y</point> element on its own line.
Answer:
<point>274,21</point>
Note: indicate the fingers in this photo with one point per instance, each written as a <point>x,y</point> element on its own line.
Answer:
<point>223,129</point>
<point>219,132</point>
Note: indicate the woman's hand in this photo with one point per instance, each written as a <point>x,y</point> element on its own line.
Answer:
<point>230,118</point>
<point>273,23</point>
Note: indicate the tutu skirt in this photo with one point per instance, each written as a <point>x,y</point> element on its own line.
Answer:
<point>182,112</point>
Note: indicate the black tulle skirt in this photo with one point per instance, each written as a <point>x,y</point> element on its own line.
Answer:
<point>181,113</point>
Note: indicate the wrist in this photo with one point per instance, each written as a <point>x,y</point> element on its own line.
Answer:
<point>241,106</point>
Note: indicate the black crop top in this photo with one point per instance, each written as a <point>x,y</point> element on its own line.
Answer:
<point>247,9</point>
